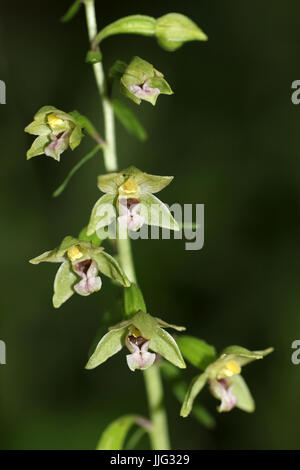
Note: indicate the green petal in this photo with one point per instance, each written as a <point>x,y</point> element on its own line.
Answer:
<point>165,345</point>
<point>63,284</point>
<point>38,146</point>
<point>109,267</point>
<point>75,137</point>
<point>156,212</point>
<point>109,345</point>
<point>103,213</point>
<point>110,182</point>
<point>194,389</point>
<point>38,127</point>
<point>240,389</point>
<point>146,324</point>
<point>152,183</point>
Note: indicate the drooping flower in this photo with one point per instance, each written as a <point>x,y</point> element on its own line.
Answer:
<point>81,263</point>
<point>56,131</point>
<point>142,82</point>
<point>139,333</point>
<point>225,381</point>
<point>130,192</point>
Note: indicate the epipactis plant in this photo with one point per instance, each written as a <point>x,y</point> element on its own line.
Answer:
<point>129,195</point>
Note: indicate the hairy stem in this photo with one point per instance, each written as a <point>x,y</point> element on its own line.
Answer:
<point>159,433</point>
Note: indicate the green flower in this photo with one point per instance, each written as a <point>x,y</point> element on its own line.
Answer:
<point>130,192</point>
<point>80,265</point>
<point>140,332</point>
<point>141,81</point>
<point>56,131</point>
<point>225,382</point>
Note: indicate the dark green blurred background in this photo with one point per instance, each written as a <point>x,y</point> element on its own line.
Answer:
<point>230,135</point>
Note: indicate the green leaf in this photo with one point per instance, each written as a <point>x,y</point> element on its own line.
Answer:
<point>174,29</point>
<point>134,24</point>
<point>63,284</point>
<point>133,300</point>
<point>111,268</point>
<point>196,351</point>
<point>113,437</point>
<point>74,170</point>
<point>194,389</point>
<point>83,237</point>
<point>72,11</point>
<point>108,346</point>
<point>93,57</point>
<point>129,120</point>
<point>165,345</point>
<point>240,389</point>
<point>156,212</point>
<point>103,213</point>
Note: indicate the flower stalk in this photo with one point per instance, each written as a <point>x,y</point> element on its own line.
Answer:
<point>159,432</point>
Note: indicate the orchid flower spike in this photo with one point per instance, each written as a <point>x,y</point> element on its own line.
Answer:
<point>81,263</point>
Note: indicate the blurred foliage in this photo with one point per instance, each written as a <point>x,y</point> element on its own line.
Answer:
<point>230,136</point>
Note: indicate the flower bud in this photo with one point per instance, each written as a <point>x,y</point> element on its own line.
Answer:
<point>174,29</point>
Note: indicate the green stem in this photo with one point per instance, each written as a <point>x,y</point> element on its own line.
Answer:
<point>159,433</point>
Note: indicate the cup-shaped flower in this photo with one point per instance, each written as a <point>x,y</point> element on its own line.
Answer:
<point>174,29</point>
<point>139,333</point>
<point>56,131</point>
<point>130,193</point>
<point>225,381</point>
<point>81,263</point>
<point>141,81</point>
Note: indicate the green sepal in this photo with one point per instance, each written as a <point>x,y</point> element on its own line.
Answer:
<point>108,266</point>
<point>129,120</point>
<point>38,147</point>
<point>133,300</point>
<point>108,346</point>
<point>100,217</point>
<point>241,391</point>
<point>134,24</point>
<point>196,351</point>
<point>56,255</point>
<point>242,355</point>
<point>174,29</point>
<point>155,212</point>
<point>194,389</point>
<point>165,345</point>
<point>63,284</point>
<point>93,57</point>
<point>38,127</point>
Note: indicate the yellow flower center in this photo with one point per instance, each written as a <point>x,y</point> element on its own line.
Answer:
<point>231,368</point>
<point>135,332</point>
<point>54,121</point>
<point>129,188</point>
<point>74,253</point>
